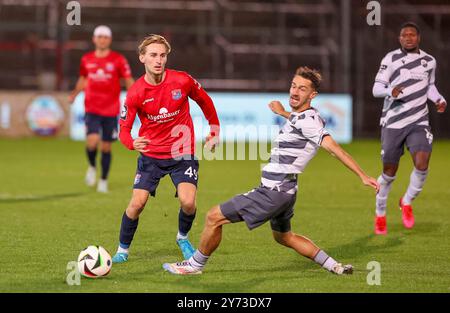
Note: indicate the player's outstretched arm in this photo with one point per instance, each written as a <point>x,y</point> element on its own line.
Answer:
<point>336,150</point>
<point>204,101</point>
<point>278,108</point>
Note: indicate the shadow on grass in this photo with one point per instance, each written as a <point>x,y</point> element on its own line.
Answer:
<point>373,243</point>
<point>38,198</point>
<point>364,246</point>
<point>419,228</point>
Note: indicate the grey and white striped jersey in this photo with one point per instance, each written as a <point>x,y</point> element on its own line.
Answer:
<point>416,73</point>
<point>296,144</point>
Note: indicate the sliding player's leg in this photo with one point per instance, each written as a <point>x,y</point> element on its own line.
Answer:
<point>307,248</point>
<point>281,230</point>
<point>255,208</point>
<point>209,242</point>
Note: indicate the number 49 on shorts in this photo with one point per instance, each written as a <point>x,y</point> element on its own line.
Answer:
<point>191,172</point>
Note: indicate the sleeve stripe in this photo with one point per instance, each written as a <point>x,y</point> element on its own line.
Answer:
<point>323,136</point>
<point>382,81</point>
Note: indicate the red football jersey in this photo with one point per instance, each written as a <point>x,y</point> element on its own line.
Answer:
<point>164,114</point>
<point>102,91</point>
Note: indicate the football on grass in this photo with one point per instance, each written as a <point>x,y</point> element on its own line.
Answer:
<point>94,261</point>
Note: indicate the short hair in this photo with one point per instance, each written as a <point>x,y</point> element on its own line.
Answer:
<point>153,38</point>
<point>410,24</point>
<point>312,75</point>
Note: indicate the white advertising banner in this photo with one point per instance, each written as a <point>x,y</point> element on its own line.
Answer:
<point>245,116</point>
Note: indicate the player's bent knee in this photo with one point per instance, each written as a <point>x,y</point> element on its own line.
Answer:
<point>211,218</point>
<point>133,212</point>
<point>421,167</point>
<point>136,206</point>
<point>91,146</point>
<point>214,217</point>
<point>106,148</point>
<point>189,206</point>
<point>390,170</point>
<point>92,140</point>
<point>282,238</point>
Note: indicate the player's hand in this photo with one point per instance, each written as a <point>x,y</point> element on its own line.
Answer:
<point>397,91</point>
<point>211,142</point>
<point>277,107</point>
<point>140,143</point>
<point>441,106</point>
<point>371,182</point>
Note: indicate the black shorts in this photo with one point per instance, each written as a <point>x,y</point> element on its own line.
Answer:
<point>151,170</point>
<point>259,206</point>
<point>415,137</point>
<point>106,125</point>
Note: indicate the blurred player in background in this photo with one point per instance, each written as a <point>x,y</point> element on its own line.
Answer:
<point>100,74</point>
<point>298,141</point>
<point>406,81</point>
<point>166,139</point>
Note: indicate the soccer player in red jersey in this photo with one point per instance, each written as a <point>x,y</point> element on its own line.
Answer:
<point>100,74</point>
<point>166,139</point>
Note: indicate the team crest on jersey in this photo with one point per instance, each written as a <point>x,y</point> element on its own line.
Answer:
<point>110,66</point>
<point>424,63</point>
<point>382,68</point>
<point>176,94</point>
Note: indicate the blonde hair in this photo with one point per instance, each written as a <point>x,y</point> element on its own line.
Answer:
<point>312,75</point>
<point>153,38</point>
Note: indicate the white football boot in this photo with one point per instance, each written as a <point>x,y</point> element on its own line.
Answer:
<point>181,268</point>
<point>102,186</point>
<point>340,269</point>
<point>91,176</point>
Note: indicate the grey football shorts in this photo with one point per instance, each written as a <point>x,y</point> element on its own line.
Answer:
<point>415,137</point>
<point>259,206</point>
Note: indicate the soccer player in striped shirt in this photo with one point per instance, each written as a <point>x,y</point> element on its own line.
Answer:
<point>297,143</point>
<point>406,80</point>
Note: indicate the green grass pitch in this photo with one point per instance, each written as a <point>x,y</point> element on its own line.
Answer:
<point>48,216</point>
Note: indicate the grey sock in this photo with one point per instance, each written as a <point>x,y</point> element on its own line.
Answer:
<point>385,182</point>
<point>198,259</point>
<point>416,182</point>
<point>324,260</point>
